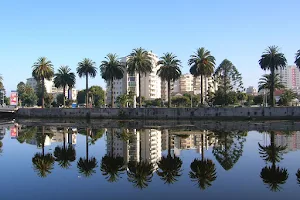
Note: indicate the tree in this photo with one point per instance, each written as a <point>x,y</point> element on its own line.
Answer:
<point>241,96</point>
<point>258,100</point>
<point>265,82</point>
<point>95,92</point>
<point>139,61</point>
<point>228,78</point>
<point>169,71</point>
<point>20,88</point>
<point>66,154</point>
<point>85,69</point>
<point>42,69</point>
<point>169,166</point>
<point>122,100</point>
<point>287,97</point>
<point>272,60</point>
<point>63,78</point>
<point>194,99</point>
<point>273,176</point>
<point>298,176</point>
<point>140,173</point>
<point>220,98</point>
<point>181,101</point>
<point>297,60</point>
<point>87,165</point>
<point>202,64</point>
<point>27,95</point>
<point>112,69</point>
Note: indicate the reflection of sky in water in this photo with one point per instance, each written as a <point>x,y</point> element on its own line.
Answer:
<point>19,180</point>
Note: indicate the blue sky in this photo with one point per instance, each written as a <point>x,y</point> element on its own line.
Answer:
<point>70,30</point>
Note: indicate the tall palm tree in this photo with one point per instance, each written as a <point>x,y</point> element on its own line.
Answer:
<point>87,165</point>
<point>42,163</point>
<point>111,69</point>
<point>202,64</point>
<point>297,61</point>
<point>63,78</point>
<point>272,60</point>
<point>85,69</point>
<point>140,173</point>
<point>65,155</point>
<point>169,71</point>
<point>139,61</point>
<point>273,175</point>
<point>265,82</point>
<point>43,69</point>
<point>203,171</point>
<point>170,167</point>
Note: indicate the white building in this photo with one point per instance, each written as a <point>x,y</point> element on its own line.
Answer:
<point>290,77</point>
<point>150,83</point>
<point>251,90</point>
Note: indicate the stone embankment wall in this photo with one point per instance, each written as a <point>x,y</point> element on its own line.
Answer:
<point>164,113</point>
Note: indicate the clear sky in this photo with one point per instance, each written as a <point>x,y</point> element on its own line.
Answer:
<point>66,31</point>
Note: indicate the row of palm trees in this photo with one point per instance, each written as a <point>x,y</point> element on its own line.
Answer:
<point>272,59</point>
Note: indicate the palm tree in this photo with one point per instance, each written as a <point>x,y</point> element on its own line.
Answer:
<point>202,64</point>
<point>42,163</point>
<point>169,71</point>
<point>63,78</point>
<point>139,61</point>
<point>273,175</point>
<point>272,60</point>
<point>122,100</point>
<point>298,176</point>
<point>111,69</point>
<point>170,167</point>
<point>87,165</point>
<point>297,61</point>
<point>140,173</point>
<point>85,69</point>
<point>265,82</point>
<point>203,171</point>
<point>43,69</point>
<point>65,155</point>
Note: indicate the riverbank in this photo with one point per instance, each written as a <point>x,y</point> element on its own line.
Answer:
<point>252,113</point>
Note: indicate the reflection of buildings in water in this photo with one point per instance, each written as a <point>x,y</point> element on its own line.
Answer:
<point>292,141</point>
<point>142,145</point>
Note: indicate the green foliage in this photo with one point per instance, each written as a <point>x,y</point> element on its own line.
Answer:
<point>27,134</point>
<point>272,60</point>
<point>169,169</point>
<point>287,97</point>
<point>27,95</point>
<point>43,164</point>
<point>65,155</point>
<point>220,98</point>
<point>95,92</point>
<point>273,177</point>
<point>142,100</point>
<point>86,166</point>
<point>195,99</point>
<point>266,81</point>
<point>112,168</point>
<point>156,102</point>
<point>42,69</point>
<point>181,101</point>
<point>140,173</point>
<point>122,100</point>
<point>258,100</point>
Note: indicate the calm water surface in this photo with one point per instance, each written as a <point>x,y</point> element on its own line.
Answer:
<point>47,162</point>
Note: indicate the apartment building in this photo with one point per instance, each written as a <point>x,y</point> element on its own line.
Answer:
<point>290,77</point>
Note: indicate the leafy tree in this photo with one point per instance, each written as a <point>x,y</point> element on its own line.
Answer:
<point>273,176</point>
<point>140,173</point>
<point>87,165</point>
<point>228,78</point>
<point>7,100</point>
<point>287,97</point>
<point>95,92</point>
<point>139,61</point>
<point>169,166</point>
<point>27,134</point>
<point>27,96</point>
<point>43,96</point>
<point>265,82</point>
<point>21,88</point>
<point>202,64</point>
<point>86,68</point>
<point>140,100</point>
<point>194,98</point>
<point>112,69</point>
<point>60,99</point>
<point>258,100</point>
<point>169,71</point>
<point>181,101</point>
<point>42,69</point>
<point>122,100</point>
<point>81,97</point>
<point>241,96</point>
<point>63,78</point>
<point>229,149</point>
<point>220,98</point>
<point>155,102</point>
<point>297,60</point>
<point>272,60</point>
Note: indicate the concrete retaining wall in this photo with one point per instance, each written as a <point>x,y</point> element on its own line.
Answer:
<point>164,113</point>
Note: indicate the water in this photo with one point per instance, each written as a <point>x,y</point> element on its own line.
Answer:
<point>48,160</point>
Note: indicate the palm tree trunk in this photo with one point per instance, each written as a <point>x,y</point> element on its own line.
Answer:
<point>43,92</point>
<point>43,142</point>
<point>169,143</point>
<point>140,91</point>
<point>169,93</point>
<point>64,92</point>
<point>87,144</point>
<point>112,142</point>
<point>202,146</point>
<point>201,96</point>
<point>272,87</point>
<point>111,92</point>
<point>86,90</point>
<point>273,145</point>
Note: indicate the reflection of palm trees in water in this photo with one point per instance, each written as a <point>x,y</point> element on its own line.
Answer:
<point>298,176</point>
<point>112,166</point>
<point>203,171</point>
<point>273,176</point>
<point>170,167</point>
<point>87,165</point>
<point>230,148</point>
<point>42,163</point>
<point>66,154</point>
